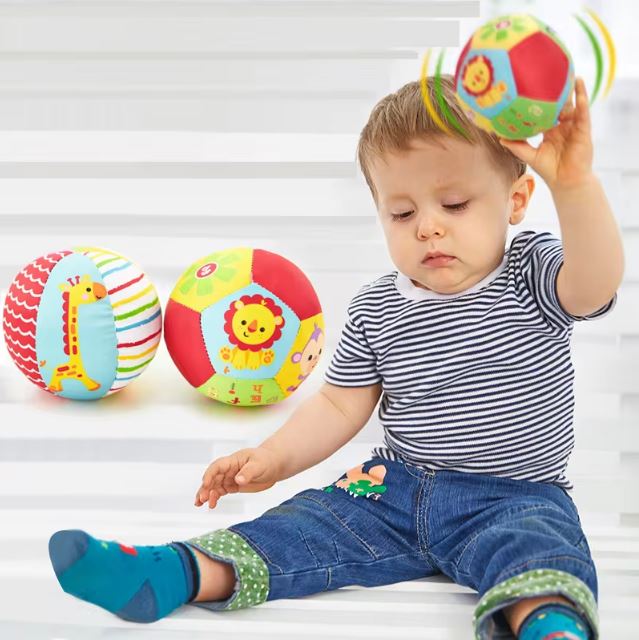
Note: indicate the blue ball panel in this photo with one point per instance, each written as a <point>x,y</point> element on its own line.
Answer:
<point>96,336</point>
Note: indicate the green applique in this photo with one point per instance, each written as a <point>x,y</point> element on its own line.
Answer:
<point>357,482</point>
<point>360,488</point>
<point>253,585</point>
<point>365,487</point>
<point>536,582</point>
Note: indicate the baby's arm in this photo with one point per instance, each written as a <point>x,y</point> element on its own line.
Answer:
<point>316,429</point>
<point>321,425</point>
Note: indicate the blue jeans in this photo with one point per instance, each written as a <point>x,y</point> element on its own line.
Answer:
<point>388,521</point>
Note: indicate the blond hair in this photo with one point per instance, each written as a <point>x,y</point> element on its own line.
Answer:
<point>400,117</point>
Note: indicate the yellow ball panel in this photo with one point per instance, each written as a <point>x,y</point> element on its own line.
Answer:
<point>304,354</point>
<point>214,277</point>
<point>505,32</point>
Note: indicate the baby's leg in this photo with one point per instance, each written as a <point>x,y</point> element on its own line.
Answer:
<point>321,539</point>
<point>355,531</point>
<point>217,579</point>
<point>521,546</point>
<point>516,613</point>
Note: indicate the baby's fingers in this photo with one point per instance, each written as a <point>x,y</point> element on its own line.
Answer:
<point>229,485</point>
<point>214,496</point>
<point>201,496</point>
<point>219,466</point>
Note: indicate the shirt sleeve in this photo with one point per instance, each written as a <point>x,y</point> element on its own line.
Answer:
<point>354,363</point>
<point>541,259</point>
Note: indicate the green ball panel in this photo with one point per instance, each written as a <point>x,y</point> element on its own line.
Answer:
<point>524,118</point>
<point>242,392</point>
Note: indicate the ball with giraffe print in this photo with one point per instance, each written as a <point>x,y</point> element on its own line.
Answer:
<point>82,323</point>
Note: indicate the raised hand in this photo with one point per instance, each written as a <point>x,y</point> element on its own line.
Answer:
<point>564,157</point>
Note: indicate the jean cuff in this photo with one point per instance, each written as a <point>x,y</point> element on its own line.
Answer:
<point>531,584</point>
<point>251,573</point>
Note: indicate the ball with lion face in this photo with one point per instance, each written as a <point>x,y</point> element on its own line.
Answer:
<point>244,326</point>
<point>514,76</point>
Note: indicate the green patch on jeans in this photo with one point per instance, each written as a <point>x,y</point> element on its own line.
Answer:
<point>358,482</point>
<point>253,585</point>
<point>361,488</point>
<point>531,584</point>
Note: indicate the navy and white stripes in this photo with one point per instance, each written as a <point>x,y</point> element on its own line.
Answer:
<point>480,381</point>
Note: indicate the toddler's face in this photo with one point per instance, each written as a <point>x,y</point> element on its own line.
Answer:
<point>454,200</point>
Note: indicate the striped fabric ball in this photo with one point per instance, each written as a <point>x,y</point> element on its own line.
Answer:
<point>82,323</point>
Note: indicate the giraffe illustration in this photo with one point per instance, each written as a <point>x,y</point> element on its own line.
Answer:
<point>74,294</point>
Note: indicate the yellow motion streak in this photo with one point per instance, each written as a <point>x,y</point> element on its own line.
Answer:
<point>427,103</point>
<point>610,46</point>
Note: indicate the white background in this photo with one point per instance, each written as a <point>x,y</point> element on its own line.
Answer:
<point>168,130</point>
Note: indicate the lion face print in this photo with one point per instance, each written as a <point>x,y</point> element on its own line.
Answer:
<point>478,75</point>
<point>253,321</point>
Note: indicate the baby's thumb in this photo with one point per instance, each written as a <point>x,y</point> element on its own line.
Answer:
<point>247,473</point>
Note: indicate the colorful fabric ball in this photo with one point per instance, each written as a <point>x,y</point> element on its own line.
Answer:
<point>244,326</point>
<point>514,76</point>
<point>82,323</point>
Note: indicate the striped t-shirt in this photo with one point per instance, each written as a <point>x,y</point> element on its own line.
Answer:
<point>479,381</point>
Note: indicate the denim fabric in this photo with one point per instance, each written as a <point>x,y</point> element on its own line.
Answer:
<point>388,521</point>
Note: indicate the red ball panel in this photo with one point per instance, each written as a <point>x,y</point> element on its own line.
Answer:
<point>287,281</point>
<point>540,67</point>
<point>185,343</point>
<point>21,313</point>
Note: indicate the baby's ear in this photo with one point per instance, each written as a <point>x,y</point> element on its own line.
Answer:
<point>520,194</point>
<point>64,286</point>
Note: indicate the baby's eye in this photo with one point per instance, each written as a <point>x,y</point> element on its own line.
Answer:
<point>401,216</point>
<point>458,206</point>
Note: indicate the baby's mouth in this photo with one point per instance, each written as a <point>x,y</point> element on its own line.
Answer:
<point>439,261</point>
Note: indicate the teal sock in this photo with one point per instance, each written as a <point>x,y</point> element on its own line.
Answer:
<point>554,621</point>
<point>140,584</point>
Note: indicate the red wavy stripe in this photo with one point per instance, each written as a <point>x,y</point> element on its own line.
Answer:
<point>19,304</point>
<point>22,352</point>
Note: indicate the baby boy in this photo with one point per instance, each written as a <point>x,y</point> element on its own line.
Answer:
<point>467,344</point>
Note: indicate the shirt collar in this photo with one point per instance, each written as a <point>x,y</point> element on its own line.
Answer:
<point>409,290</point>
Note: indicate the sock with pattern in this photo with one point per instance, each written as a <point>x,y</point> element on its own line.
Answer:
<point>554,621</point>
<point>140,584</point>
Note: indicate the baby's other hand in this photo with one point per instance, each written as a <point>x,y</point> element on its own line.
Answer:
<point>245,471</point>
<point>564,157</point>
